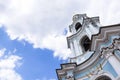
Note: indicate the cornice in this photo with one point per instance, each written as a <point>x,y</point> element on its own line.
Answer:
<point>65,67</point>
<point>103,35</point>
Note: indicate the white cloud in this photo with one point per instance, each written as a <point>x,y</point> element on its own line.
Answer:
<point>37,21</point>
<point>8,63</point>
<point>2,52</point>
<point>58,44</point>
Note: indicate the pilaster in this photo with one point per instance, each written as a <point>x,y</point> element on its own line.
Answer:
<point>109,56</point>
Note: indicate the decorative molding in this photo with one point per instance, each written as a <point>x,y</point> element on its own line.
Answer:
<point>63,71</point>
<point>108,51</point>
<point>104,36</point>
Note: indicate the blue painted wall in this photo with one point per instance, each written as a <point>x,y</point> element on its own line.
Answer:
<point>110,69</point>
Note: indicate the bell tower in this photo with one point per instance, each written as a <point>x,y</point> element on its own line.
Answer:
<point>95,49</point>
<point>82,29</point>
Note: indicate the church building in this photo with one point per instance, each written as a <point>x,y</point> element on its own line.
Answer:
<point>95,49</point>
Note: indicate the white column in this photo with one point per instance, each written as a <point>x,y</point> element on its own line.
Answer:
<point>72,49</point>
<point>76,48</point>
<point>114,62</point>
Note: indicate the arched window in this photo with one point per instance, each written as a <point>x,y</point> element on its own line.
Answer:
<point>103,78</point>
<point>77,26</point>
<point>86,43</point>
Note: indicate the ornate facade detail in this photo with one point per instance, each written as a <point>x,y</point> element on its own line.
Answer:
<point>108,51</point>
<point>93,47</point>
<point>117,44</point>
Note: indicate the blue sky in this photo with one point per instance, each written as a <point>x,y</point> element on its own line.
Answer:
<point>36,64</point>
<point>33,34</point>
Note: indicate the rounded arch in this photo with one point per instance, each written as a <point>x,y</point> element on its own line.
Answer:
<point>103,77</point>
<point>78,26</point>
<point>85,43</point>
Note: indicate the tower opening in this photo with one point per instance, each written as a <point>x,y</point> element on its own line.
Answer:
<point>103,78</point>
<point>86,43</point>
<point>77,26</point>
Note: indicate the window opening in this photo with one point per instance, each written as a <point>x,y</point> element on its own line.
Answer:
<point>86,43</point>
<point>103,78</point>
<point>77,26</point>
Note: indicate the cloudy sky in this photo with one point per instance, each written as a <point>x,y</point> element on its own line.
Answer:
<point>33,34</point>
